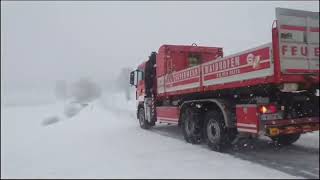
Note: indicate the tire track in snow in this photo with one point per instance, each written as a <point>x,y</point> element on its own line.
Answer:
<point>295,160</point>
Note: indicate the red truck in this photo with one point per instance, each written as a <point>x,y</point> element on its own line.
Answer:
<point>270,90</point>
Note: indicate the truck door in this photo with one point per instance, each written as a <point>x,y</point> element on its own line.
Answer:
<point>298,41</point>
<point>137,80</point>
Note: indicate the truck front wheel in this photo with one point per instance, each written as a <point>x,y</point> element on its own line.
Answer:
<point>215,131</point>
<point>144,124</point>
<point>286,139</point>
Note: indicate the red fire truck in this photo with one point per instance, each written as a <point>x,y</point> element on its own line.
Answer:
<point>270,90</point>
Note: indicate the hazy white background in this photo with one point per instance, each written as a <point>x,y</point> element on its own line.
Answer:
<point>42,42</point>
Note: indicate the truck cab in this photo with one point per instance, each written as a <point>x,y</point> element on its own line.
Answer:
<point>137,80</point>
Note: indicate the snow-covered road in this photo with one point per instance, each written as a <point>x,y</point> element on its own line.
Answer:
<point>104,140</point>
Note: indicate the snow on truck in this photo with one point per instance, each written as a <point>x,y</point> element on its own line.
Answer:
<point>269,90</point>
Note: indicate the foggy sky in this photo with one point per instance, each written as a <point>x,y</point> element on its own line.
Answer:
<point>42,42</point>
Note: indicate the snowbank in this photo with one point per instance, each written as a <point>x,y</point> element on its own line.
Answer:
<point>104,140</point>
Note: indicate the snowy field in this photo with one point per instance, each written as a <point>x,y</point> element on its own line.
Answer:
<point>104,140</point>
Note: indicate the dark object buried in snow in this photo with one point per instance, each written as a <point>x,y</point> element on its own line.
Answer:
<point>50,120</point>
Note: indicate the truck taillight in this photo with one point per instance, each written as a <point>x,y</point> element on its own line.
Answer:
<point>267,109</point>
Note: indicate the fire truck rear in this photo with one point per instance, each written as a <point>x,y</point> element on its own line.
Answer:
<point>270,90</point>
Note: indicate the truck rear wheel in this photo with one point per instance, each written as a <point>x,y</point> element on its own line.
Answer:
<point>144,124</point>
<point>191,127</point>
<point>286,139</point>
<point>215,132</point>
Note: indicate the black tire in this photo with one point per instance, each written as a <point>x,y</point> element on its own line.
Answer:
<point>286,139</point>
<point>144,124</point>
<point>215,131</point>
<point>191,126</point>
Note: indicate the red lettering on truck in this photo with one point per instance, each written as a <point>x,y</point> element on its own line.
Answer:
<point>294,50</point>
<point>284,49</point>
<point>304,50</point>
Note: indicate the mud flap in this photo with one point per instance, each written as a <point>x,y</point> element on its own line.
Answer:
<point>247,118</point>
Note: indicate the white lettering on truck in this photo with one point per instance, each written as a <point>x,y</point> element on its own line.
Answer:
<point>222,65</point>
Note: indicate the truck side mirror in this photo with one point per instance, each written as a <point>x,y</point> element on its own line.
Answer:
<point>132,78</point>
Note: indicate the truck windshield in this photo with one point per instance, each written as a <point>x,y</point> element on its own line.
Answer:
<point>140,75</point>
